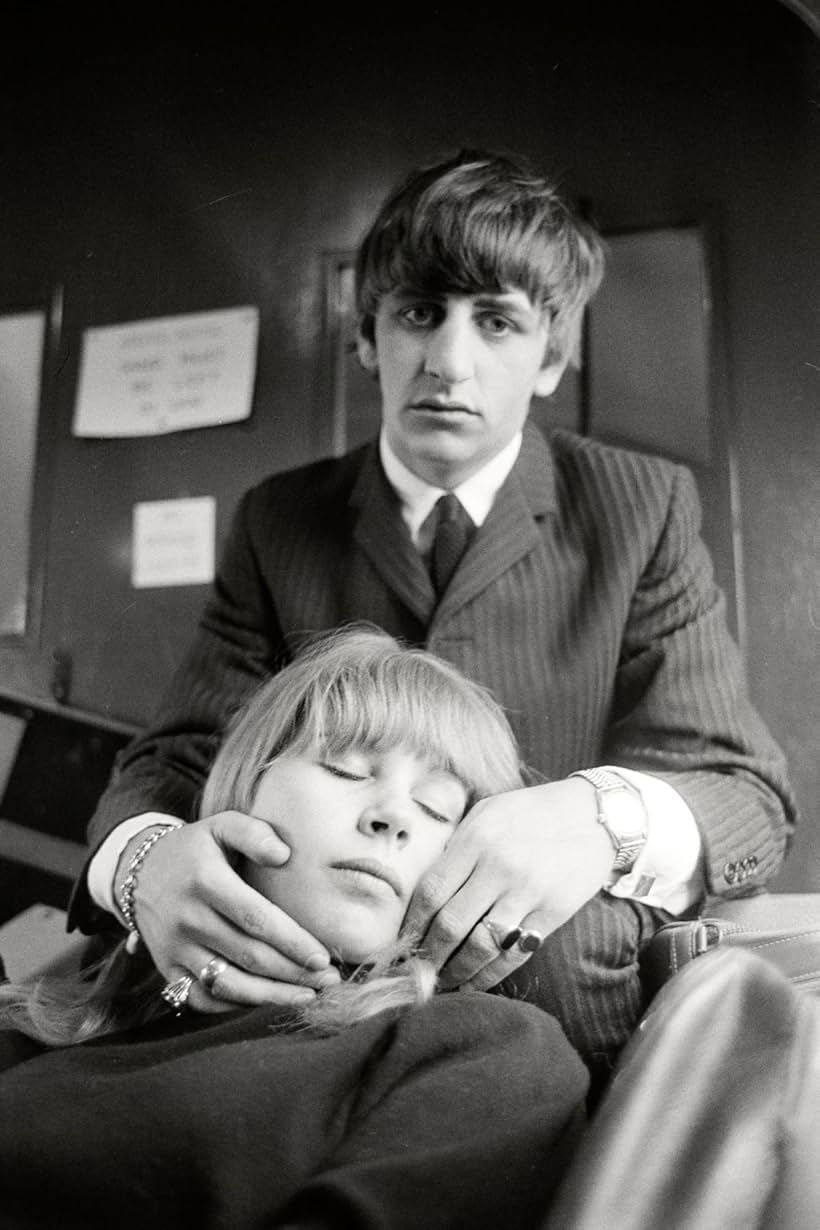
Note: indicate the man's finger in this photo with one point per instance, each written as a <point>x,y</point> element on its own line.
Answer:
<point>236,988</point>
<point>256,839</point>
<point>258,920</point>
<point>456,920</point>
<point>220,940</point>
<point>433,892</point>
<point>490,975</point>
<point>495,937</point>
<point>233,986</point>
<point>527,937</point>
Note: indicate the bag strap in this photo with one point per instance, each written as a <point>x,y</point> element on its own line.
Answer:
<point>782,927</point>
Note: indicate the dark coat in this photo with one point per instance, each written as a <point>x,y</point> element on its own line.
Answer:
<point>463,1113</point>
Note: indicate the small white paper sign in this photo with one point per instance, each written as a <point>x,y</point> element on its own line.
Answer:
<point>172,373</point>
<point>173,542</point>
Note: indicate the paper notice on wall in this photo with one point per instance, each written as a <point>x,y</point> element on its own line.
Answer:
<point>173,542</point>
<point>171,373</point>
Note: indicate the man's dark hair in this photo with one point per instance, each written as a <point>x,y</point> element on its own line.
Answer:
<point>481,222</point>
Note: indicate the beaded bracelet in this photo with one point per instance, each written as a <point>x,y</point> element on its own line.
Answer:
<point>126,900</point>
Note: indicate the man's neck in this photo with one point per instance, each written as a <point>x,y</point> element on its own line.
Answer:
<point>418,495</point>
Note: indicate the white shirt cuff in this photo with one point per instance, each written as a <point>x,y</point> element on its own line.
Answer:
<point>667,872</point>
<point>103,867</point>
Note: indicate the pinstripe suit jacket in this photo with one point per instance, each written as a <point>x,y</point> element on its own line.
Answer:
<point>585,602</point>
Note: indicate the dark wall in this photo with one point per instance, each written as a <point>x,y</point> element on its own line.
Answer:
<point>194,170</point>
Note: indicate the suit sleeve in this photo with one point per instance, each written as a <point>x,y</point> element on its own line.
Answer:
<point>468,1118</point>
<point>682,711</point>
<point>236,644</point>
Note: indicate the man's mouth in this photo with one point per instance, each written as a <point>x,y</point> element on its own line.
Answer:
<point>371,867</point>
<point>439,405</point>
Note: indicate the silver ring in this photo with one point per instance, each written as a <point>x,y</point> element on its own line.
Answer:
<point>210,972</point>
<point>504,935</point>
<point>176,993</point>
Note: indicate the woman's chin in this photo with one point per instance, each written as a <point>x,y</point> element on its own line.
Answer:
<point>352,955</point>
<point>354,950</point>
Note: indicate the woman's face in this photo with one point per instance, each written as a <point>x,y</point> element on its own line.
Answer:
<point>363,827</point>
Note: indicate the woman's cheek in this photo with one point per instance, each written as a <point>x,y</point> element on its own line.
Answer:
<point>263,879</point>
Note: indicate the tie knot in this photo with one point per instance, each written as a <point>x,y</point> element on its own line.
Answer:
<point>453,530</point>
<point>450,508</point>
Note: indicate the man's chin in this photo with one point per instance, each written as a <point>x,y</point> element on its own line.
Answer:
<point>444,460</point>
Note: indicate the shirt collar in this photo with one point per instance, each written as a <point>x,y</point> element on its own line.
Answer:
<point>476,493</point>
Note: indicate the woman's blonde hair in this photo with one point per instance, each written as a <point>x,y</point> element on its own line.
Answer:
<point>360,688</point>
<point>357,687</point>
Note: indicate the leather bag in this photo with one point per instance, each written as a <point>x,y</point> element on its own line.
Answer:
<point>712,1118</point>
<point>783,928</point>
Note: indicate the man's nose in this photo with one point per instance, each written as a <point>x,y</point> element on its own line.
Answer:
<point>449,352</point>
<point>387,816</point>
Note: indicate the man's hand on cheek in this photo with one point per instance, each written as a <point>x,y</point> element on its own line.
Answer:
<point>528,860</point>
<point>193,910</point>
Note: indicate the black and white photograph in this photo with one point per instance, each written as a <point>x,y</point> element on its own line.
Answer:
<point>410,618</point>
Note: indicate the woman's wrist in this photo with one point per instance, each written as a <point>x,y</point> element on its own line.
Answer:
<point>128,868</point>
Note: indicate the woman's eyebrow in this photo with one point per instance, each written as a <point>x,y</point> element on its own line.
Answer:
<point>441,773</point>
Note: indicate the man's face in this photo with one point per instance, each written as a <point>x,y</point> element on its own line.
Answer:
<point>457,374</point>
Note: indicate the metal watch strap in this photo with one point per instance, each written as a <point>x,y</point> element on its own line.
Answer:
<point>626,849</point>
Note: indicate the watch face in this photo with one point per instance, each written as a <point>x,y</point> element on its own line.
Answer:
<point>624,813</point>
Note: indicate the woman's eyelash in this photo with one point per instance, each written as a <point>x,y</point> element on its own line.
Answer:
<point>436,815</point>
<point>345,773</point>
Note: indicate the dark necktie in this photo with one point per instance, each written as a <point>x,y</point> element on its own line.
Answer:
<point>453,530</point>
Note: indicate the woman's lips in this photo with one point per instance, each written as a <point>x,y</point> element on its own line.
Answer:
<point>373,868</point>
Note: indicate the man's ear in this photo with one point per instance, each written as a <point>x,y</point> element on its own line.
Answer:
<point>366,351</point>
<point>548,378</point>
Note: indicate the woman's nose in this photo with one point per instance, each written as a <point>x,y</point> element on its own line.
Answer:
<point>449,353</point>
<point>387,817</point>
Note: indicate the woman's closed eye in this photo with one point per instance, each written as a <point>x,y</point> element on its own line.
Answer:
<point>436,793</point>
<point>338,771</point>
<point>437,815</point>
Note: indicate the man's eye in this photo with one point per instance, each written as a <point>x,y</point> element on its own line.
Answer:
<point>337,771</point>
<point>419,315</point>
<point>498,326</point>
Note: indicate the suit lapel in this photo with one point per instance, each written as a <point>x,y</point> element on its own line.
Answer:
<point>511,529</point>
<point>381,533</point>
<point>509,533</point>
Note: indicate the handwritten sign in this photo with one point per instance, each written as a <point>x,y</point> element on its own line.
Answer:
<point>171,373</point>
<point>173,542</point>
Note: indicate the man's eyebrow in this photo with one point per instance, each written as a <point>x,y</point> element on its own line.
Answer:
<point>505,302</point>
<point>411,292</point>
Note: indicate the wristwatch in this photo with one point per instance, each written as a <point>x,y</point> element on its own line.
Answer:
<point>622,813</point>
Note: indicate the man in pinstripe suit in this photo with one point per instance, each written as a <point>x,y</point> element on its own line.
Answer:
<point>584,600</point>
